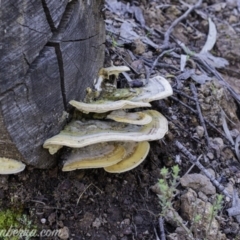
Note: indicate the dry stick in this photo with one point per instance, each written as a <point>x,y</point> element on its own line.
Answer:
<point>155,63</point>
<point>176,22</point>
<point>218,76</point>
<point>91,184</point>
<point>191,109</point>
<point>184,104</point>
<point>194,91</point>
<point>193,159</point>
<point>155,231</point>
<point>183,94</point>
<point>168,118</point>
<point>161,227</point>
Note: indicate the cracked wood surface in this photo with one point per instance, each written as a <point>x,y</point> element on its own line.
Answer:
<point>51,51</point>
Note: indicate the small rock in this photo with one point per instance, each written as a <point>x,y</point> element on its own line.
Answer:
<point>148,54</point>
<point>232,3</point>
<point>210,155</point>
<point>63,233</point>
<point>173,218</point>
<point>140,47</point>
<point>202,196</point>
<point>43,220</point>
<point>146,232</point>
<point>234,132</point>
<point>219,142</point>
<point>218,7</point>
<point>191,206</point>
<point>96,223</point>
<point>200,131</point>
<point>155,188</point>
<point>233,19</point>
<point>173,236</point>
<point>126,221</point>
<point>198,182</point>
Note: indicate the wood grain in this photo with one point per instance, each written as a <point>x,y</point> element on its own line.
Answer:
<point>52,51</point>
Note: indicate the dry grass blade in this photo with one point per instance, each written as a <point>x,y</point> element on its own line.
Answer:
<point>237,145</point>
<point>225,128</point>
<point>211,39</point>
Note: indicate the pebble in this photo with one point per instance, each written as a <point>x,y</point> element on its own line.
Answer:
<point>96,223</point>
<point>219,142</point>
<point>200,131</point>
<point>210,155</point>
<point>126,221</point>
<point>198,182</point>
<point>43,220</point>
<point>233,19</point>
<point>63,233</point>
<point>232,3</point>
<point>202,196</point>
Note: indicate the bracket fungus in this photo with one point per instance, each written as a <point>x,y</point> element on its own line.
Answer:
<point>79,134</point>
<point>118,141</point>
<point>112,156</point>
<point>105,73</point>
<point>95,156</point>
<point>10,166</point>
<point>138,118</point>
<point>157,88</point>
<point>134,157</point>
<point>106,106</point>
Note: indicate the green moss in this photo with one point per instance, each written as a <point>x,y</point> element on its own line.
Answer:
<point>14,225</point>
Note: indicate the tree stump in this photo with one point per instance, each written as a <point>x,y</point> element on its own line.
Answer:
<point>51,50</point>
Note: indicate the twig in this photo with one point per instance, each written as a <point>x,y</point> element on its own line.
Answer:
<point>183,94</point>
<point>194,91</point>
<point>155,231</point>
<point>162,65</point>
<point>161,227</point>
<point>218,76</point>
<point>193,159</point>
<point>86,190</point>
<point>155,62</point>
<point>176,22</point>
<point>191,109</point>
<point>184,104</point>
<point>183,129</point>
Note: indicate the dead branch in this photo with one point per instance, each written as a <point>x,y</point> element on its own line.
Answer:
<point>161,227</point>
<point>194,91</point>
<point>176,22</point>
<point>193,159</point>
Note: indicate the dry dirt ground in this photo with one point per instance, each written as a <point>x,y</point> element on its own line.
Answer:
<point>94,204</point>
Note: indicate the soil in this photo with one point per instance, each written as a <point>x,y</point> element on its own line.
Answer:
<point>94,204</point>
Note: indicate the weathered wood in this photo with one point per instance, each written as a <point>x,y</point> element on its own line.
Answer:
<point>52,51</point>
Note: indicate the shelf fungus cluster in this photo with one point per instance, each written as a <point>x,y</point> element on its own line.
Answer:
<point>111,134</point>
